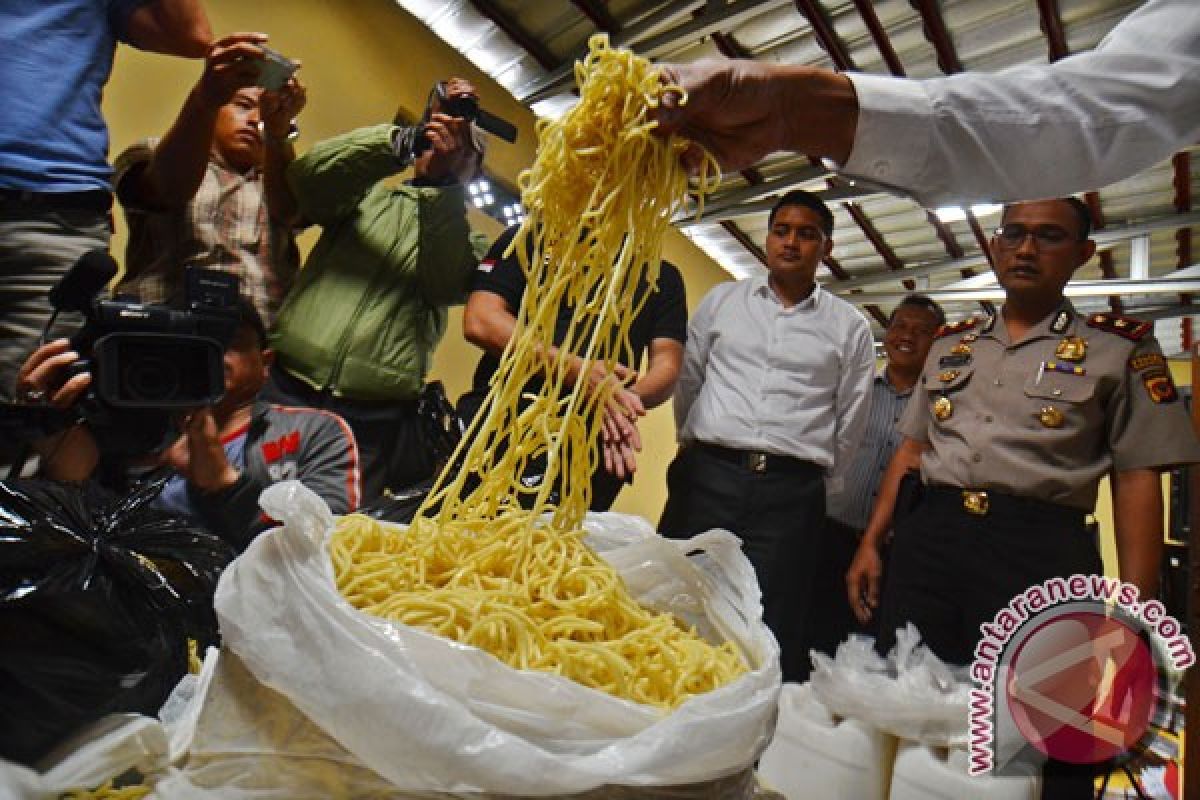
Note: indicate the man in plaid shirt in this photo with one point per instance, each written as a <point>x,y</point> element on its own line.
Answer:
<point>211,193</point>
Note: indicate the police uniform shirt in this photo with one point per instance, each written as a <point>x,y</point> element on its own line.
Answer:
<point>1049,416</point>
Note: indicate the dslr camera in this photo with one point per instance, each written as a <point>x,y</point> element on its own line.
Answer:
<point>413,140</point>
<point>147,361</point>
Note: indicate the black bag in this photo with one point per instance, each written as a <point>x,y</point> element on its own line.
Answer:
<point>441,426</point>
<point>99,595</point>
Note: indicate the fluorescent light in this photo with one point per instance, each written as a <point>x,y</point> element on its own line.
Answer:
<point>950,213</point>
<point>986,209</point>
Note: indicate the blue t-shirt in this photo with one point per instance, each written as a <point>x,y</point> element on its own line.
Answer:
<point>55,57</point>
<point>174,495</point>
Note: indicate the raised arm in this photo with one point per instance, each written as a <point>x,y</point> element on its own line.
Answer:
<point>173,27</point>
<point>176,168</point>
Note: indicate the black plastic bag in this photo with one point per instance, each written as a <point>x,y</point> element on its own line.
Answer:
<point>441,425</point>
<point>98,597</point>
<point>398,506</point>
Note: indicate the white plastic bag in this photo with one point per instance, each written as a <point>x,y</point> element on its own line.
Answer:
<point>109,747</point>
<point>427,713</point>
<point>911,694</point>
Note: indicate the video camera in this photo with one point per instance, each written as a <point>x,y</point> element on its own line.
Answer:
<point>464,107</point>
<point>147,361</point>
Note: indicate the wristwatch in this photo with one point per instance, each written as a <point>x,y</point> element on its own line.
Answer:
<point>292,132</point>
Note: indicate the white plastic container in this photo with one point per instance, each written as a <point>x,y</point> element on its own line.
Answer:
<point>925,773</point>
<point>815,755</point>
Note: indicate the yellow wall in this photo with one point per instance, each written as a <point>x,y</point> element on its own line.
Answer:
<point>362,59</point>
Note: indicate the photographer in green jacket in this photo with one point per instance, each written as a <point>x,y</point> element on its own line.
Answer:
<point>358,330</point>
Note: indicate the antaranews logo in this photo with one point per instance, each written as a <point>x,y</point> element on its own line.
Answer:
<point>1074,668</point>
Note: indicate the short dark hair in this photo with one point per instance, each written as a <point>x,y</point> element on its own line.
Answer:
<point>922,302</point>
<point>248,317</point>
<point>1080,208</point>
<point>799,197</point>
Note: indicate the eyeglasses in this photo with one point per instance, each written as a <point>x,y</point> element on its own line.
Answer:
<point>1048,237</point>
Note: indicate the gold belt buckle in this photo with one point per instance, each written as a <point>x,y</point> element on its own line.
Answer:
<point>975,502</point>
<point>758,462</point>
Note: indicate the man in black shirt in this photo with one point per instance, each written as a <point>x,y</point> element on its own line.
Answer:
<point>659,331</point>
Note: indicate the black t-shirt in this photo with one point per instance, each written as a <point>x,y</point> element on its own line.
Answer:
<point>663,316</point>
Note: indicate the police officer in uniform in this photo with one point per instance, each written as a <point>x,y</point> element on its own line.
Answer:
<point>1013,423</point>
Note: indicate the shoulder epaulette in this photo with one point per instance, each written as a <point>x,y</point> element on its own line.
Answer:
<point>1127,327</point>
<point>957,327</point>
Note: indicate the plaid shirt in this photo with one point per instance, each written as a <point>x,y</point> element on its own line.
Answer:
<point>225,226</point>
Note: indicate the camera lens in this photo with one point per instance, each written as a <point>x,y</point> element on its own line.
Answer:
<point>150,379</point>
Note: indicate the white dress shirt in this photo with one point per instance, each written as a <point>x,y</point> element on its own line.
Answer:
<point>1039,130</point>
<point>790,381</point>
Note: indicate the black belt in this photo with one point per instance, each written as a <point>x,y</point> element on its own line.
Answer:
<point>757,461</point>
<point>97,200</point>
<point>983,502</point>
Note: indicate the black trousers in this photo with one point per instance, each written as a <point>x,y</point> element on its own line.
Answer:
<point>835,620</point>
<point>779,517</point>
<point>605,485</point>
<point>950,571</point>
<point>391,450</point>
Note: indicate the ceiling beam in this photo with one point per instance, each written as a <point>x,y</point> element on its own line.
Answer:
<point>981,238</point>
<point>831,195</point>
<point>1092,201</point>
<point>644,39</point>
<point>827,37</point>
<point>1096,212</point>
<point>954,250</point>
<point>1181,164</point>
<point>1051,22</point>
<point>1107,236</point>
<point>729,46</point>
<point>879,34</point>
<point>522,37</point>
<point>936,34</point>
<point>745,241</point>
<point>749,193</point>
<point>598,13</point>
<point>877,241</point>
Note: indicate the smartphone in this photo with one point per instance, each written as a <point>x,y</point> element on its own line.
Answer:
<point>274,70</point>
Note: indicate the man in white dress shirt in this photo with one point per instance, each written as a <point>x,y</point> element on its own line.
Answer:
<point>772,401</point>
<point>1093,118</point>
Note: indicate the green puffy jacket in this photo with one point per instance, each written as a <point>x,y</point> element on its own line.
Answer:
<point>369,306</point>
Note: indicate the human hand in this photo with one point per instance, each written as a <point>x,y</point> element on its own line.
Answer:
<point>232,63</point>
<point>620,440</point>
<point>199,456</point>
<point>451,151</point>
<point>278,109</point>
<point>69,455</point>
<point>740,111</point>
<point>863,581</point>
<point>43,376</point>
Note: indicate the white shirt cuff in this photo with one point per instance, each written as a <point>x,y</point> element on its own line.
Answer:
<point>894,131</point>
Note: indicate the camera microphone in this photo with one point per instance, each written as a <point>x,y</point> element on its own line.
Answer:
<point>83,281</point>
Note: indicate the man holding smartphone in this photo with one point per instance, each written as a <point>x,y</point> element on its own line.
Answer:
<point>211,193</point>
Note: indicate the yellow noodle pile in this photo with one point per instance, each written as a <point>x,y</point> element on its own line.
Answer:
<point>533,597</point>
<point>108,792</point>
<point>478,565</point>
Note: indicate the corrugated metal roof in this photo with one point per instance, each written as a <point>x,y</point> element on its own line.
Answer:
<point>984,35</point>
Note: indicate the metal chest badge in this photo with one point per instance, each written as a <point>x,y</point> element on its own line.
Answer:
<point>1071,348</point>
<point>943,409</point>
<point>1050,417</point>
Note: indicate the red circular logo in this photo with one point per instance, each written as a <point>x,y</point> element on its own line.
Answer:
<point>1082,687</point>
